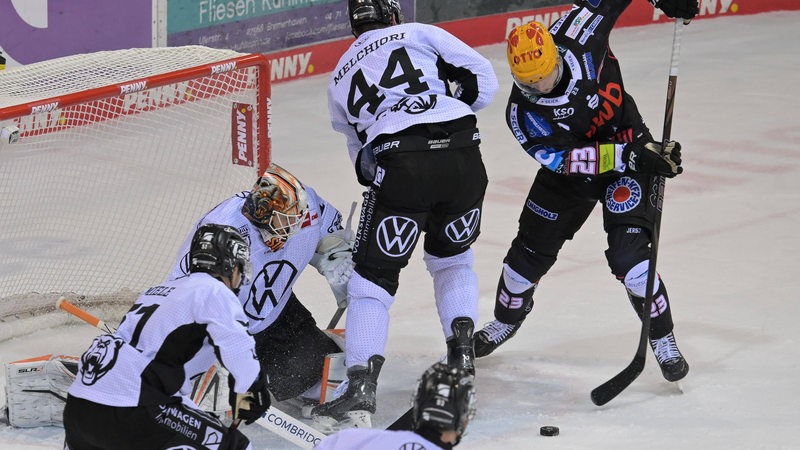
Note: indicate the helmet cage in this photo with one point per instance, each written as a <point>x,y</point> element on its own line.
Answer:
<point>277,205</point>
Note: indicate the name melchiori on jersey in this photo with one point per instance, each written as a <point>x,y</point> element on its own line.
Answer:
<point>369,48</point>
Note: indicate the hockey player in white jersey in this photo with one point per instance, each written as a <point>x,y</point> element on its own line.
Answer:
<point>288,227</point>
<point>126,394</point>
<point>415,144</point>
<point>442,407</point>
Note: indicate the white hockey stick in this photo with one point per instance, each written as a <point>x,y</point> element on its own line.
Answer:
<point>275,420</point>
<point>293,430</point>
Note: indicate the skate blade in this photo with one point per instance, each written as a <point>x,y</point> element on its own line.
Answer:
<point>353,419</point>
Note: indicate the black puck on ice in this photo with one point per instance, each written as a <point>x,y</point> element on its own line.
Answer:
<point>548,431</point>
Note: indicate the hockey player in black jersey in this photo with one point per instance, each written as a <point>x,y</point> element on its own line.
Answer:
<point>569,110</point>
<point>126,394</point>
<point>415,144</point>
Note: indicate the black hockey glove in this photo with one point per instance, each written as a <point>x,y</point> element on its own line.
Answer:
<point>645,156</point>
<point>685,9</point>
<point>251,405</point>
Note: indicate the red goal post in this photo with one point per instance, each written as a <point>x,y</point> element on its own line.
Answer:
<point>106,159</point>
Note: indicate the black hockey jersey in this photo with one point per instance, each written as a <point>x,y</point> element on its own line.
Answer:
<point>581,127</point>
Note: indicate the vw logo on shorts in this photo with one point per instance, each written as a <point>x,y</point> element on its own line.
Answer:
<point>464,227</point>
<point>396,235</point>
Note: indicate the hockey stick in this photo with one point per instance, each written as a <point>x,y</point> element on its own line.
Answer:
<point>275,420</point>
<point>64,304</point>
<point>340,310</point>
<point>611,388</point>
<point>291,429</point>
<point>336,316</point>
<point>403,422</point>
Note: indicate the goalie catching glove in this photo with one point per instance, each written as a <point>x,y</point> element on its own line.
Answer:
<point>251,405</point>
<point>684,9</point>
<point>646,156</point>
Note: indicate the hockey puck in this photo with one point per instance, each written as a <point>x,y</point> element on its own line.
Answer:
<point>548,431</point>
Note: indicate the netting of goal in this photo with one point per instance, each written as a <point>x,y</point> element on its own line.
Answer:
<point>117,154</point>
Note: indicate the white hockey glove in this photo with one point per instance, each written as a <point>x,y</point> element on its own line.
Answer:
<point>334,260</point>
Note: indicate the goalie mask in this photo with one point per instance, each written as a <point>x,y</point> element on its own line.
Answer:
<point>217,250</point>
<point>277,205</point>
<point>444,399</point>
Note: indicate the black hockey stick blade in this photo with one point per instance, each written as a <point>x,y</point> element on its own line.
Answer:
<point>403,422</point>
<point>607,391</point>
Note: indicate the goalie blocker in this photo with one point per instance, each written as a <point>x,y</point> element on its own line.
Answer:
<point>36,388</point>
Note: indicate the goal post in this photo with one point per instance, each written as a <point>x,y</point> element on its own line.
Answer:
<point>106,160</point>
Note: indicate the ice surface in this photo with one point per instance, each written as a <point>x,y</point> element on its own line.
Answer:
<point>728,252</point>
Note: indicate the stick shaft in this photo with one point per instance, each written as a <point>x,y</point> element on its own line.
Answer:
<point>613,387</point>
<point>336,317</point>
<point>65,305</point>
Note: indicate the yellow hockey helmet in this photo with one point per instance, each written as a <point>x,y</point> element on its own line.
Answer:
<point>532,53</point>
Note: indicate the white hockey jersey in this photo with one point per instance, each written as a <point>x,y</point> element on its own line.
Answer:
<point>142,363</point>
<point>395,77</point>
<point>274,272</point>
<point>369,438</point>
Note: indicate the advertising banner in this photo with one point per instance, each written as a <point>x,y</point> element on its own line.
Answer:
<point>37,30</point>
<point>436,11</point>
<point>492,29</point>
<point>302,37</point>
<point>259,26</point>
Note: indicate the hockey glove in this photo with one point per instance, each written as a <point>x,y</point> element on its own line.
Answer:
<point>251,405</point>
<point>646,156</point>
<point>685,9</point>
<point>334,260</point>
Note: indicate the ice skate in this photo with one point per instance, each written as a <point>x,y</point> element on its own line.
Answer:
<point>460,351</point>
<point>354,408</point>
<point>493,334</point>
<point>673,366</point>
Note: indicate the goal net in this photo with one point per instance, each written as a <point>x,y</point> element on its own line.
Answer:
<point>107,159</point>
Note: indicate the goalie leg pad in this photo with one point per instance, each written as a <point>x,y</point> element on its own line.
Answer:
<point>36,390</point>
<point>292,351</point>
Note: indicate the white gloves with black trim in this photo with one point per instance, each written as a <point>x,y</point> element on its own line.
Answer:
<point>334,260</point>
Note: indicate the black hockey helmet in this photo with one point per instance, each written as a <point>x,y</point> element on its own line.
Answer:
<point>217,249</point>
<point>365,12</point>
<point>444,399</point>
